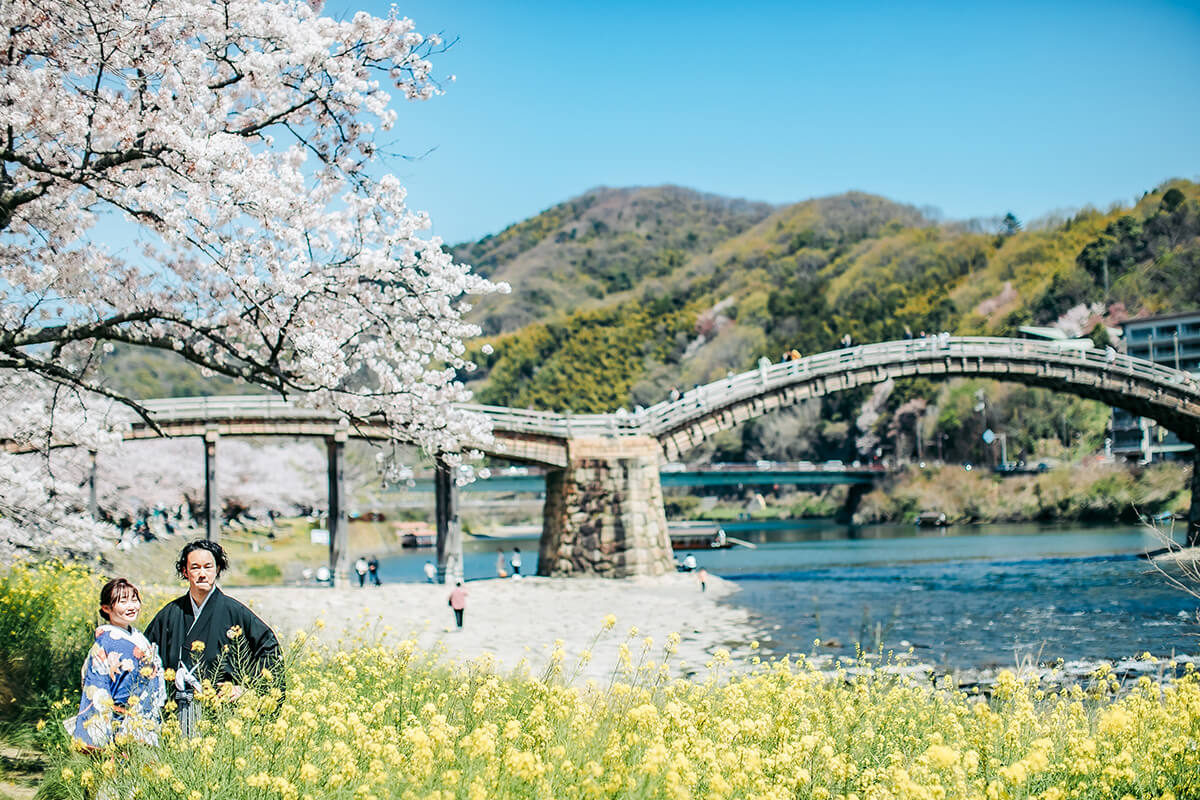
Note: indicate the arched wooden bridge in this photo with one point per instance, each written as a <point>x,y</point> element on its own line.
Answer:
<point>604,504</point>
<point>1168,396</point>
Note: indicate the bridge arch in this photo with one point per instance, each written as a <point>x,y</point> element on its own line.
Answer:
<point>1168,396</point>
<point>605,466</point>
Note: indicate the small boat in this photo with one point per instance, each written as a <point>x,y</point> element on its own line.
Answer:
<point>692,539</point>
<point>695,542</point>
<point>932,519</point>
<point>415,534</point>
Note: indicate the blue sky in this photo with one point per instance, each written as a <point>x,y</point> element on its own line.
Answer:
<point>975,109</point>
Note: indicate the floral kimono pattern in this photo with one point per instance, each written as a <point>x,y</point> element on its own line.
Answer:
<point>123,690</point>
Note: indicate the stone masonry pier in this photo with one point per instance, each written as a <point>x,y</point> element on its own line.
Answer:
<point>604,512</point>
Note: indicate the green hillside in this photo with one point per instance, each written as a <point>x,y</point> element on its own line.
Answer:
<point>805,275</point>
<point>599,247</point>
<point>621,294</point>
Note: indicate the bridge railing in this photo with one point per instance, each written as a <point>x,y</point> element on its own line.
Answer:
<point>267,407</point>
<point>700,400</point>
<point>232,406</point>
<point>668,414</point>
<point>550,423</point>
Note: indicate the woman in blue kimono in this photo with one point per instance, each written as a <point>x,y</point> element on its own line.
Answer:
<point>123,689</point>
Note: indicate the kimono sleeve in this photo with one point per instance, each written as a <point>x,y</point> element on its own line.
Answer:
<point>264,647</point>
<point>158,632</point>
<point>103,681</point>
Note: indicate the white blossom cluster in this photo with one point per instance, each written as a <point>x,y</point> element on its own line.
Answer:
<point>233,143</point>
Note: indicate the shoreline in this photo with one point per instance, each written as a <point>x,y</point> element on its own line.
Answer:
<point>514,620</point>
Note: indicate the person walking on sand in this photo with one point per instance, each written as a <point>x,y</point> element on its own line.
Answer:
<point>430,571</point>
<point>360,567</point>
<point>458,602</point>
<point>373,570</point>
<point>501,564</point>
<point>702,576</point>
<point>516,562</point>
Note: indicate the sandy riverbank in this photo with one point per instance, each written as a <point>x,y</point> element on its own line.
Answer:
<point>1185,555</point>
<point>520,619</point>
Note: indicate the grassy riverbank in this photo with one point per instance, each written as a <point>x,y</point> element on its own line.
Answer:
<point>1085,492</point>
<point>262,557</point>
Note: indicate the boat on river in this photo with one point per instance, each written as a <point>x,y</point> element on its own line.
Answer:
<point>703,536</point>
<point>932,519</point>
<point>415,534</point>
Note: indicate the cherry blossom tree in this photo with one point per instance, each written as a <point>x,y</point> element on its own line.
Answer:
<point>231,148</point>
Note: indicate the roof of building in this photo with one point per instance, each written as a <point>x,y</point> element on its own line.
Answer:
<point>1042,332</point>
<point>1162,317</point>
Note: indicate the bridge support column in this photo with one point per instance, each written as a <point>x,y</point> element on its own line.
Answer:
<point>212,506</point>
<point>339,525</point>
<point>449,529</point>
<point>604,514</point>
<point>1193,526</point>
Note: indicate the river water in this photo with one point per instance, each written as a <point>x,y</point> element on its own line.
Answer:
<point>963,597</point>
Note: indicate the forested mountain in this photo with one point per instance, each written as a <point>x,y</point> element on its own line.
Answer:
<point>620,294</point>
<point>805,275</point>
<point>598,247</point>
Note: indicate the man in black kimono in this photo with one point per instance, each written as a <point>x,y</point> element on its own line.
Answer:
<point>209,635</point>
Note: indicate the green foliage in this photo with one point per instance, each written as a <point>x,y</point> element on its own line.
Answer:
<point>601,246</point>
<point>586,363</point>
<point>1087,492</point>
<point>810,273</point>
<point>143,373</point>
<point>48,616</point>
<point>264,573</point>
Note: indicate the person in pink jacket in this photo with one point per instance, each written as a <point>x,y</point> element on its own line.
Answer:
<point>458,602</point>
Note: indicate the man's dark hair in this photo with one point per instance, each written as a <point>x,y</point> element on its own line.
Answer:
<point>218,554</point>
<point>114,590</point>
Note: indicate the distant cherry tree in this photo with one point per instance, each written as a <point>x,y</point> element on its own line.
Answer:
<point>201,176</point>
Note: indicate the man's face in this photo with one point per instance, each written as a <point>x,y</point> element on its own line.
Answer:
<point>201,572</point>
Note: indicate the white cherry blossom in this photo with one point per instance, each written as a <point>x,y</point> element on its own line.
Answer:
<point>200,176</point>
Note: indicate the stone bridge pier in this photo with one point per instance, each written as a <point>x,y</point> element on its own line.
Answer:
<point>604,513</point>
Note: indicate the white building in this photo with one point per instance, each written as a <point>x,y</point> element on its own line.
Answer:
<point>1172,340</point>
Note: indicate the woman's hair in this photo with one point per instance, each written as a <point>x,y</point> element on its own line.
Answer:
<point>218,554</point>
<point>115,590</point>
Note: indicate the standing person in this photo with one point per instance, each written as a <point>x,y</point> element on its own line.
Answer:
<point>702,576</point>
<point>360,568</point>
<point>458,602</point>
<point>430,571</point>
<point>501,572</point>
<point>205,634</point>
<point>516,562</point>
<point>123,688</point>
<point>373,570</point>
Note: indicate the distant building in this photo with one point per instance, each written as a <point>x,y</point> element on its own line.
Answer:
<point>1172,340</point>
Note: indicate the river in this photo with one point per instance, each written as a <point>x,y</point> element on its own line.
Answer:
<point>962,597</point>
